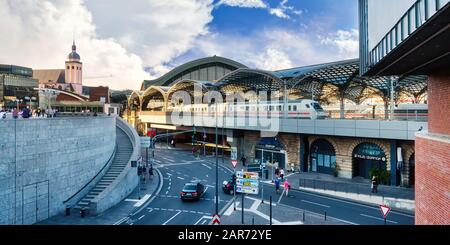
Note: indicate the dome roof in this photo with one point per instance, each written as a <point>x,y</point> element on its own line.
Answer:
<point>74,55</point>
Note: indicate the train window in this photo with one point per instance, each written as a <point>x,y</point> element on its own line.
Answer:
<point>247,108</point>
<point>279,108</point>
<point>290,108</point>
<point>295,108</point>
<point>307,106</point>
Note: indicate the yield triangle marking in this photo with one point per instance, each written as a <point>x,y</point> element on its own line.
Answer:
<point>385,210</point>
<point>216,219</point>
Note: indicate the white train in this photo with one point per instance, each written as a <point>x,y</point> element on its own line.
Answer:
<point>302,109</point>
<point>411,112</point>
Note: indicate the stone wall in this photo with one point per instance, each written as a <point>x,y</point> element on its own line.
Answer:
<point>44,161</point>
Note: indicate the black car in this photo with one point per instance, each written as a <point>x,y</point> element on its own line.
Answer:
<point>192,191</point>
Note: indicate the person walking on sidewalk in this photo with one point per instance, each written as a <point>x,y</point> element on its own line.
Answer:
<point>287,186</point>
<point>374,185</point>
<point>282,174</point>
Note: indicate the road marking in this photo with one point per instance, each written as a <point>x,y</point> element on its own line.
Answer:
<point>281,196</point>
<point>122,220</point>
<point>207,176</point>
<point>180,178</point>
<point>212,186</point>
<point>349,202</point>
<point>368,216</point>
<point>204,221</point>
<point>141,217</point>
<point>193,212</point>
<point>131,200</point>
<point>165,223</point>
<point>230,209</point>
<point>169,174</point>
<point>206,166</point>
<point>198,221</point>
<point>142,201</point>
<point>315,203</point>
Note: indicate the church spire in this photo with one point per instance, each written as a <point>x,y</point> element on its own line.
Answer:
<point>74,47</point>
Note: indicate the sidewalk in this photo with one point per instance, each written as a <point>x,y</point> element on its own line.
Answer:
<point>399,198</point>
<point>115,214</point>
<point>258,213</point>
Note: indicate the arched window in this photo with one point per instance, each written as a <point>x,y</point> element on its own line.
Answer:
<point>323,157</point>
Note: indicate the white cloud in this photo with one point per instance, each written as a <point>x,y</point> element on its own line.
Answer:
<point>38,34</point>
<point>277,48</point>
<point>283,10</point>
<point>244,3</point>
<point>346,41</point>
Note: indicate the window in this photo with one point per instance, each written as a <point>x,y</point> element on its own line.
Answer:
<point>290,108</point>
<point>326,161</point>
<point>295,108</point>
<point>68,67</point>
<point>320,159</point>
<point>307,106</point>
<point>73,67</point>
<point>279,108</point>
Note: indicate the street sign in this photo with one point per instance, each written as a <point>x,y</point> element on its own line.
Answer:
<point>385,210</point>
<point>216,219</point>
<point>233,153</point>
<point>247,182</point>
<point>234,162</point>
<point>145,142</point>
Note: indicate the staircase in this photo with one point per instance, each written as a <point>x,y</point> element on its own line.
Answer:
<point>123,154</point>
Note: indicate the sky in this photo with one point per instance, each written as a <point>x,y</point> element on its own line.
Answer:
<point>123,42</point>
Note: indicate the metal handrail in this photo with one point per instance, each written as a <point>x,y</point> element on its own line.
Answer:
<point>387,43</point>
<point>90,181</point>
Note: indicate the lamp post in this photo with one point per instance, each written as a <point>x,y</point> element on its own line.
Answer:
<point>217,165</point>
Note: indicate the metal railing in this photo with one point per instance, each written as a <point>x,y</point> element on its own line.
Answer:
<point>357,188</point>
<point>415,17</point>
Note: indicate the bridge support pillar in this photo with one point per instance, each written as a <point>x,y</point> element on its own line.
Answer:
<point>393,146</point>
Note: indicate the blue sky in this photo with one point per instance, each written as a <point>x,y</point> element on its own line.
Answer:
<point>129,41</point>
<point>305,17</point>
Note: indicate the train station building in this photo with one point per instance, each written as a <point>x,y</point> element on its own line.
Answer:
<point>341,145</point>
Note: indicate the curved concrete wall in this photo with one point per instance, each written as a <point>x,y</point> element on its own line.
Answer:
<point>127,181</point>
<point>43,162</point>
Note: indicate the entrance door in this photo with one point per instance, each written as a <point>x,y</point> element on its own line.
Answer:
<point>314,164</point>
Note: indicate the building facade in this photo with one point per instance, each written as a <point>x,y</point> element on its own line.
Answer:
<point>17,87</point>
<point>411,37</point>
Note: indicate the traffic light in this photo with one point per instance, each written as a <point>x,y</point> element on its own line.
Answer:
<point>234,179</point>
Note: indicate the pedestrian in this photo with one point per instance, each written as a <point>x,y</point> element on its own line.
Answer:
<point>172,142</point>
<point>243,159</point>
<point>15,113</point>
<point>292,168</point>
<point>277,185</point>
<point>277,172</point>
<point>374,185</point>
<point>2,114</point>
<point>282,174</point>
<point>287,186</point>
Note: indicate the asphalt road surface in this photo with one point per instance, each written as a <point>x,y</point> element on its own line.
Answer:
<point>180,167</point>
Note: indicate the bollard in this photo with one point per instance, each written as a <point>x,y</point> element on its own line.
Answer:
<point>325,215</point>
<point>67,211</point>
<point>253,220</point>
<point>270,210</point>
<point>303,215</point>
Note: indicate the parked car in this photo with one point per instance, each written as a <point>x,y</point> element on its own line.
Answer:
<point>192,191</point>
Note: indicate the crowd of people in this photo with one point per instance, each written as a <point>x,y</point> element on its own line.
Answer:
<point>26,112</point>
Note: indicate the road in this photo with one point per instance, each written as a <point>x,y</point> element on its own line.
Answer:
<point>179,167</point>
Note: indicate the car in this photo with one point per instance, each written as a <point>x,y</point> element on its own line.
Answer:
<point>228,185</point>
<point>192,191</point>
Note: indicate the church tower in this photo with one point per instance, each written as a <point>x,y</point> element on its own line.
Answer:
<point>74,70</point>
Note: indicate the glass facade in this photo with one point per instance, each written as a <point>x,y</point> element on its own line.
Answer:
<point>17,87</point>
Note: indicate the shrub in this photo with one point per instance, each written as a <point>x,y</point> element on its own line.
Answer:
<point>381,174</point>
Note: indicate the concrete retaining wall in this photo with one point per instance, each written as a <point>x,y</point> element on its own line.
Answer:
<point>45,161</point>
